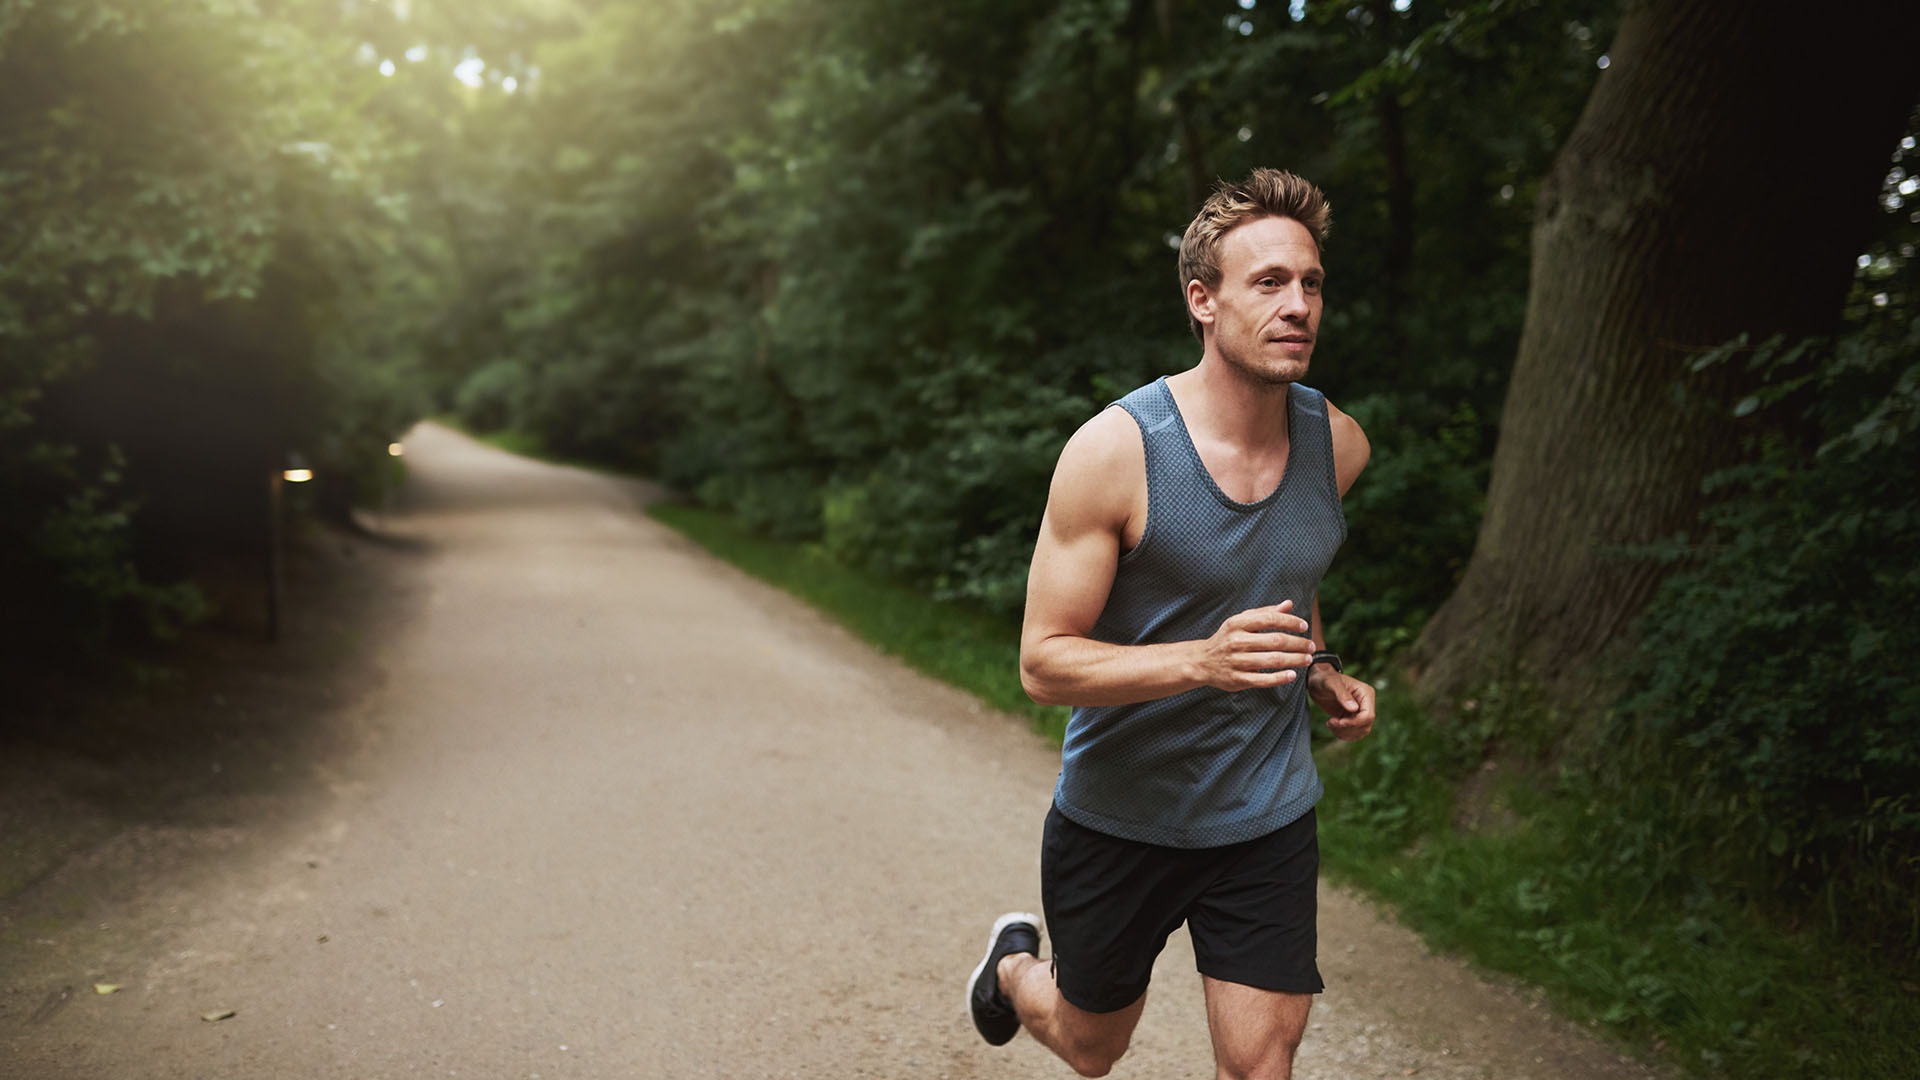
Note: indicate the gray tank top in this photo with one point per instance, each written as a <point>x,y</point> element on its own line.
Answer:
<point>1207,767</point>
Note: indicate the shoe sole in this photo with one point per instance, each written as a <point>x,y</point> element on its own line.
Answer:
<point>999,927</point>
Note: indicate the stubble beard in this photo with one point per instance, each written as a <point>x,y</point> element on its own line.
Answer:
<point>1272,373</point>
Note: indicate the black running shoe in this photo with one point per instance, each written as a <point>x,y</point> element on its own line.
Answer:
<point>993,1014</point>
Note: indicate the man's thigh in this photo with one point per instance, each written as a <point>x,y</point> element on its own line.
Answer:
<point>1109,904</point>
<point>1255,923</point>
<point>1255,1032</point>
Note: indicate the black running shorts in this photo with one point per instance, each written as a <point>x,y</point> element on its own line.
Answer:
<point>1110,904</point>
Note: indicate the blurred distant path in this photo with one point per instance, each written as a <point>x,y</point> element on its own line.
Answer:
<point>617,810</point>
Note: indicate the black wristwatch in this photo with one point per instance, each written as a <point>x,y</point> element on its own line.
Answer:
<point>1324,657</point>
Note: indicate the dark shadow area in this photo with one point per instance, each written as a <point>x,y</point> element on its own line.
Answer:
<point>215,729</point>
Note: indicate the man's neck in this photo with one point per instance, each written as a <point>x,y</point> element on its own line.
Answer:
<point>1231,406</point>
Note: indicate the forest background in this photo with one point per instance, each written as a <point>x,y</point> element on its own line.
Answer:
<point>1623,295</point>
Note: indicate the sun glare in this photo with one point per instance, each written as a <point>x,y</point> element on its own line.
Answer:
<point>471,71</point>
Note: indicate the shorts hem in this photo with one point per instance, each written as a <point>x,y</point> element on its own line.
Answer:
<point>1312,984</point>
<point>1094,1005</point>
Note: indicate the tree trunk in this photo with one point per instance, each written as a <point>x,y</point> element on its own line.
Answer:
<point>1398,178</point>
<point>1720,180</point>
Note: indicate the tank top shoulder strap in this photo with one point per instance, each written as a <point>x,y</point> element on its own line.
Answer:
<point>1310,406</point>
<point>1151,406</point>
<point>1161,434</point>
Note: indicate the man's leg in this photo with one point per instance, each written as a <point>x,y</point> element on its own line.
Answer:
<point>1110,904</point>
<point>1255,1032</point>
<point>1088,1042</point>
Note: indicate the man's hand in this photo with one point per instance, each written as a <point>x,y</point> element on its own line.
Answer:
<point>1262,647</point>
<point>1348,703</point>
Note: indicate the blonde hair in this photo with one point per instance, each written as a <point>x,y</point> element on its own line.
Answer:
<point>1264,193</point>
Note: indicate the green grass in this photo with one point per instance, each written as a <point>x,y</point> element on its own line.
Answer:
<point>1701,981</point>
<point>1685,973</point>
<point>530,445</point>
<point>965,648</point>
<point>523,443</point>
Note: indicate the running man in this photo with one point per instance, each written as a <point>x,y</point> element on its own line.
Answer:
<point>1172,604</point>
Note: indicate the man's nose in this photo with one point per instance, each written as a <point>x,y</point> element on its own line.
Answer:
<point>1293,301</point>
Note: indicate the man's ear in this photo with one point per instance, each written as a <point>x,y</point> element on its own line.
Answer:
<point>1199,302</point>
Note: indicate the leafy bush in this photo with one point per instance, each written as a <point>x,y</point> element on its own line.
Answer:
<point>1411,522</point>
<point>1778,709</point>
<point>485,400</point>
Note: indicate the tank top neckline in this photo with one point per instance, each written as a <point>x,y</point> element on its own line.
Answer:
<point>1200,465</point>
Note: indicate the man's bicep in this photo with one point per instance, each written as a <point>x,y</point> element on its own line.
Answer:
<point>1078,549</point>
<point>1073,568</point>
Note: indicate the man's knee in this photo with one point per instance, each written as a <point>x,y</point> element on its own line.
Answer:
<point>1095,1056</point>
<point>1092,1042</point>
<point>1276,1067</point>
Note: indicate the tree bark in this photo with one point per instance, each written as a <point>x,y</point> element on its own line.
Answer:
<point>1721,179</point>
<point>1398,179</point>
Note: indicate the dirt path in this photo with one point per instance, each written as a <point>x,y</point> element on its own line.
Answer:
<point>602,807</point>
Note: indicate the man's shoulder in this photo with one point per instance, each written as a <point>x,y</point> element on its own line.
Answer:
<point>1101,476</point>
<point>1110,438</point>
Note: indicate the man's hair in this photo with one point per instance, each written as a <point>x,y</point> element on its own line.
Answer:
<point>1264,193</point>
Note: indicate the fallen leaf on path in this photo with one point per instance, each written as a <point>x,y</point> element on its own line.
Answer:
<point>217,1015</point>
<point>103,989</point>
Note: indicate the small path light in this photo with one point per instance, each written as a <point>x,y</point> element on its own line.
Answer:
<point>294,471</point>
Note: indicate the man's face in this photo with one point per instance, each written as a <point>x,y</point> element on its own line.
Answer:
<point>1266,311</point>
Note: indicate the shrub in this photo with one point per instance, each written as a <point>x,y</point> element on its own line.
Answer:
<point>1777,731</point>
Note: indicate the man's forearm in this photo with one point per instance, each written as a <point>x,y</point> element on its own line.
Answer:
<point>1082,671</point>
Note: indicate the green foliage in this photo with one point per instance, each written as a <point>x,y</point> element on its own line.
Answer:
<point>862,285</point>
<point>72,564</point>
<point>485,400</point>
<point>1411,522</point>
<point>196,237</point>
<point>1397,785</point>
<point>1771,694</point>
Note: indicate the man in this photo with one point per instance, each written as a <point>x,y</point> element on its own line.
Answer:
<point>1171,602</point>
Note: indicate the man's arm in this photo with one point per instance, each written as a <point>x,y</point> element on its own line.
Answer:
<point>1098,490</point>
<point>1348,702</point>
<point>1351,450</point>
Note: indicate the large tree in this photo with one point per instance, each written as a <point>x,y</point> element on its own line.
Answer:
<point>1720,181</point>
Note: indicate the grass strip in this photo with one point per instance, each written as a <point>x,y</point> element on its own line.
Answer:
<point>961,646</point>
<point>525,444</point>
